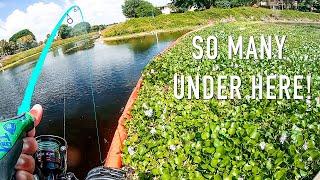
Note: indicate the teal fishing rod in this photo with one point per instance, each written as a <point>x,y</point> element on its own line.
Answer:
<point>13,130</point>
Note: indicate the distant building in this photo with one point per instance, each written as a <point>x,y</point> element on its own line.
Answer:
<point>193,8</point>
<point>165,9</point>
<point>279,4</point>
<point>168,10</point>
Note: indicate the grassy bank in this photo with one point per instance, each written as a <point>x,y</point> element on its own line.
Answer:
<point>33,53</point>
<point>228,139</point>
<point>144,34</point>
<point>191,19</point>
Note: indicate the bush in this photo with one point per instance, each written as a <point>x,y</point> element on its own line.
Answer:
<point>223,4</point>
<point>139,8</point>
<point>146,9</point>
<point>20,34</point>
<point>80,29</point>
<point>65,31</point>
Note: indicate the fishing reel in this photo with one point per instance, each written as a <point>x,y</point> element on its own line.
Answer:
<point>51,159</point>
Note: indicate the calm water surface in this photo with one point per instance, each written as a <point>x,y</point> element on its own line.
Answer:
<point>115,69</point>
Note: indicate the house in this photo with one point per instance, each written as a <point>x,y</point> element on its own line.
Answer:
<point>165,9</point>
<point>279,4</point>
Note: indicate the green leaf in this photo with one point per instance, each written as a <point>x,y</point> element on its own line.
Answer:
<point>280,173</point>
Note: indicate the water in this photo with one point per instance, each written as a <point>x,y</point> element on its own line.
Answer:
<point>115,68</point>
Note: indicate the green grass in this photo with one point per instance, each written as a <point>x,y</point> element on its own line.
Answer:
<point>190,19</point>
<point>35,52</point>
<point>222,139</point>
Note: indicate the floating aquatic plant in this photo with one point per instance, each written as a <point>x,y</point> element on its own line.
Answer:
<point>240,138</point>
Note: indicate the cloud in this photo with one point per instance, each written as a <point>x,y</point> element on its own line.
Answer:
<point>158,3</point>
<point>41,17</point>
<point>100,11</point>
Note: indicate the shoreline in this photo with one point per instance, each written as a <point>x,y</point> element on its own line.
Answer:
<point>148,33</point>
<point>144,34</point>
<point>38,51</point>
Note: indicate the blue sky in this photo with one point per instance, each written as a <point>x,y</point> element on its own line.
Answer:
<point>40,16</point>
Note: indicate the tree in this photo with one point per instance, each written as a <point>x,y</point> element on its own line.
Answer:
<point>26,42</point>
<point>81,28</point>
<point>20,34</point>
<point>7,48</point>
<point>139,8</point>
<point>187,4</point>
<point>309,5</point>
<point>232,3</point>
<point>184,5</point>
<point>47,37</point>
<point>146,9</point>
<point>96,28</point>
<point>65,31</point>
<point>129,8</point>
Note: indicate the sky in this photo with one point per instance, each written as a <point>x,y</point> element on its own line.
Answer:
<point>40,16</point>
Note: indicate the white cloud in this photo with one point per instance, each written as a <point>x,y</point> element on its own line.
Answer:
<point>41,17</point>
<point>158,3</point>
<point>100,11</point>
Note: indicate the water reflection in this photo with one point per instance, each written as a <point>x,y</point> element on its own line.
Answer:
<point>72,48</point>
<point>141,44</point>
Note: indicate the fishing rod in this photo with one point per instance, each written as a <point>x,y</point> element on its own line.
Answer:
<point>51,157</point>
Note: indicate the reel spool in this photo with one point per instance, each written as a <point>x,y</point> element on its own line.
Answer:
<point>51,157</point>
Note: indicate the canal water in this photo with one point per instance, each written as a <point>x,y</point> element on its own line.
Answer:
<point>112,69</point>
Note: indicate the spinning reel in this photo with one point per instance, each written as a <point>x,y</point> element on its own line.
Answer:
<point>51,158</point>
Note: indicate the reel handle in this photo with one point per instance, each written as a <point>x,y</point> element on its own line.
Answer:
<point>12,131</point>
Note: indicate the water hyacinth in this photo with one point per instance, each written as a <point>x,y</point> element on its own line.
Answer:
<point>164,110</point>
<point>131,151</point>
<point>305,146</point>
<point>172,147</point>
<point>215,68</point>
<point>318,101</point>
<point>144,105</point>
<point>217,136</point>
<point>148,113</point>
<point>153,131</point>
<point>283,138</point>
<point>308,101</point>
<point>262,145</point>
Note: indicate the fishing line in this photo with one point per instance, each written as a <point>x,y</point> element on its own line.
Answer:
<point>64,107</point>
<point>94,106</point>
<point>26,102</point>
<point>96,121</point>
